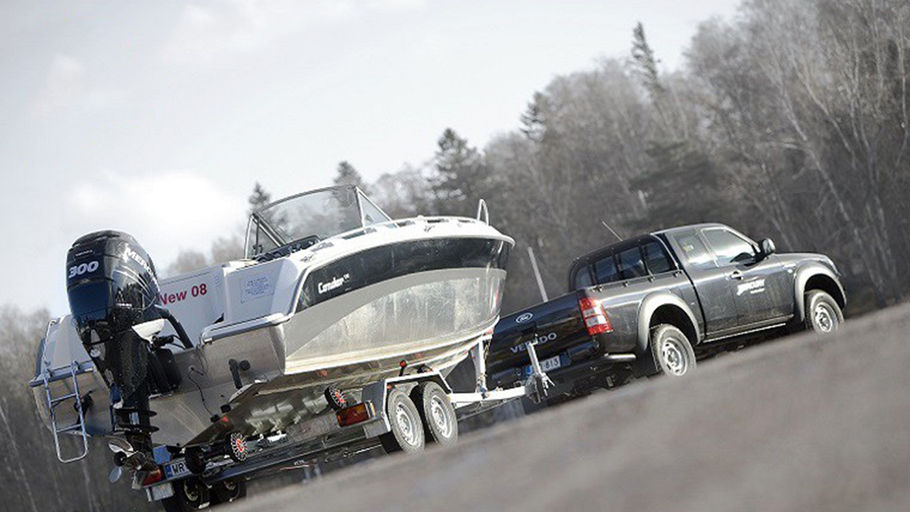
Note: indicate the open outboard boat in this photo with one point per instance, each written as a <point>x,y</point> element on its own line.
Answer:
<point>331,296</point>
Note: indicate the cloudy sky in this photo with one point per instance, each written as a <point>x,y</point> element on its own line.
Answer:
<point>157,117</point>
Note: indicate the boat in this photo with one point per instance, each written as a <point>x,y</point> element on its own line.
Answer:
<point>331,295</point>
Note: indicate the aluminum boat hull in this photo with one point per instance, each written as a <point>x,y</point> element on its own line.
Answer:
<point>429,319</point>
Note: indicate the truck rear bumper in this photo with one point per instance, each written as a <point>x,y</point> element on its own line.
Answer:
<point>580,362</point>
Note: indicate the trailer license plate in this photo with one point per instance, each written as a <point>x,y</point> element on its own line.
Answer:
<point>160,492</point>
<point>176,469</point>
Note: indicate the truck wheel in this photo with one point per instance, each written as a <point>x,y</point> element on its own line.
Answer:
<point>672,351</point>
<point>436,413</point>
<point>407,429</point>
<point>189,494</point>
<point>229,490</point>
<point>823,314</point>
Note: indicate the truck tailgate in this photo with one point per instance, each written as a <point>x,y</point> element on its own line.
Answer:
<point>554,326</point>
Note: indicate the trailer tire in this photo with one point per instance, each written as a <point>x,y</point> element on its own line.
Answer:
<point>672,351</point>
<point>189,494</point>
<point>229,490</point>
<point>407,433</point>
<point>436,413</point>
<point>195,460</point>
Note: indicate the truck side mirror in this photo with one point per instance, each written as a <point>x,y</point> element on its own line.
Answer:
<point>767,247</point>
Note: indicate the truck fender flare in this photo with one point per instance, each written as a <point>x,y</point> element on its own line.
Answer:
<point>650,304</point>
<point>807,272</point>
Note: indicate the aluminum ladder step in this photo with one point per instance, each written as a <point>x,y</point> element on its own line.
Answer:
<point>53,402</point>
<point>63,398</point>
<point>70,428</point>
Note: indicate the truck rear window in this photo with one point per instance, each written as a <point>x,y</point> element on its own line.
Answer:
<point>630,264</point>
<point>583,278</point>
<point>605,269</point>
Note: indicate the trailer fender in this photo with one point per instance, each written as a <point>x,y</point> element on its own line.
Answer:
<point>670,309</point>
<point>818,276</point>
<point>378,391</point>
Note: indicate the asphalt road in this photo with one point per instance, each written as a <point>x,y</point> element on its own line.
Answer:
<point>804,423</point>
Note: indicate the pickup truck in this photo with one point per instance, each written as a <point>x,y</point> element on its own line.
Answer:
<point>645,305</point>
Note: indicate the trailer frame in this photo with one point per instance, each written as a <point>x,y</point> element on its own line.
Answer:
<point>324,439</point>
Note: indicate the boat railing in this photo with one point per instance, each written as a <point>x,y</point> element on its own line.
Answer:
<point>428,222</point>
<point>483,211</point>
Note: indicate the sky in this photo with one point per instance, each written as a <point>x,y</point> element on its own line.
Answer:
<point>156,118</point>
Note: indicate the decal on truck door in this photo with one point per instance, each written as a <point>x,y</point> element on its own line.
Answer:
<point>752,287</point>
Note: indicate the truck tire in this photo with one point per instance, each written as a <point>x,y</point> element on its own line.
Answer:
<point>673,353</point>
<point>823,313</point>
<point>436,413</point>
<point>407,428</point>
<point>189,494</point>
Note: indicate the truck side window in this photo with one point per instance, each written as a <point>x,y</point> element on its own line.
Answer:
<point>630,264</point>
<point>656,258</point>
<point>583,278</point>
<point>605,270</point>
<point>694,250</point>
<point>729,248</point>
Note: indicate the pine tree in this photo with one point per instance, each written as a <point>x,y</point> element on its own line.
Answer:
<point>644,62</point>
<point>259,197</point>
<point>461,173</point>
<point>533,120</point>
<point>348,175</point>
<point>682,183</point>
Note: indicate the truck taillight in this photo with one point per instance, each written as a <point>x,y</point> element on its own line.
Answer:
<point>595,317</point>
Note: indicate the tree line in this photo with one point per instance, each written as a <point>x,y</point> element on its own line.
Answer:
<point>789,122</point>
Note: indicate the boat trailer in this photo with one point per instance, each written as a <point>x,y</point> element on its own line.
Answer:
<point>400,413</point>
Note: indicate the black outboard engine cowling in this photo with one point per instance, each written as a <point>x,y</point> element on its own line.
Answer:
<point>112,286</point>
<point>112,289</point>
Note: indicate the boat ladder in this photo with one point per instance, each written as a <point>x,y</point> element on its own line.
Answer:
<point>48,376</point>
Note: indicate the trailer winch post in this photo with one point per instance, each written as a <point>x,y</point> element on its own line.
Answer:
<point>540,379</point>
<point>480,367</point>
<point>535,386</point>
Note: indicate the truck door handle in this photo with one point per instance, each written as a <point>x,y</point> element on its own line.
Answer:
<point>736,274</point>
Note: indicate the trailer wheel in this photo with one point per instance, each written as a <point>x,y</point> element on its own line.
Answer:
<point>195,460</point>
<point>229,490</point>
<point>672,351</point>
<point>189,494</point>
<point>436,413</point>
<point>407,429</point>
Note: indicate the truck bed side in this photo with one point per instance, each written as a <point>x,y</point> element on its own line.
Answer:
<point>557,326</point>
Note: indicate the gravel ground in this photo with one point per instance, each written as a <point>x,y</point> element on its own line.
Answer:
<point>805,423</point>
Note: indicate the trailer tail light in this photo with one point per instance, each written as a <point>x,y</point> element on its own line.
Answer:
<point>356,414</point>
<point>153,477</point>
<point>595,317</point>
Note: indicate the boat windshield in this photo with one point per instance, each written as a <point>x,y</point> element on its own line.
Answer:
<point>302,220</point>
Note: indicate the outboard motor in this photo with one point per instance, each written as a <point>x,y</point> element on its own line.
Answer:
<point>113,296</point>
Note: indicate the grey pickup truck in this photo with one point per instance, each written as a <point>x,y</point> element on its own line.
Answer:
<point>645,305</point>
